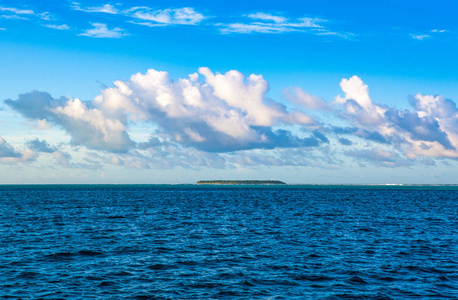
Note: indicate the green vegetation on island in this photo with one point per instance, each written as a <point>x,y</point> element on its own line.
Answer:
<point>229,182</point>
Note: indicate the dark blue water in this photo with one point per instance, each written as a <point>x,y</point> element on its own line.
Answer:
<point>195,242</point>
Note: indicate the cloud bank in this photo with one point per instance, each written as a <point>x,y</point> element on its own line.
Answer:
<point>224,112</point>
<point>227,119</point>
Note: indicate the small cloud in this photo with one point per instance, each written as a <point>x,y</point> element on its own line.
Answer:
<point>2,29</point>
<point>148,24</point>
<point>45,16</point>
<point>266,23</point>
<point>420,37</point>
<point>357,104</point>
<point>253,28</point>
<point>17,11</point>
<point>179,16</point>
<point>22,14</point>
<point>344,35</point>
<point>107,8</point>
<point>439,31</point>
<point>267,17</point>
<point>13,17</point>
<point>58,27</point>
<point>101,31</point>
<point>40,146</point>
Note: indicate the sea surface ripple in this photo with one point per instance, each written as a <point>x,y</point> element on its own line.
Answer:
<point>229,242</point>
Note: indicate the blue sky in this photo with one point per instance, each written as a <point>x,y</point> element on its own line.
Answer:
<point>168,92</point>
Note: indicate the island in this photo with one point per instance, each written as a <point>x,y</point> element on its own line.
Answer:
<point>240,182</point>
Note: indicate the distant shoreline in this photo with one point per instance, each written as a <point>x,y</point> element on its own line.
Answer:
<point>242,182</point>
<point>303,185</point>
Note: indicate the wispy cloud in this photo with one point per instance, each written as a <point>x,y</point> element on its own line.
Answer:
<point>267,17</point>
<point>179,16</point>
<point>430,34</point>
<point>148,24</point>
<point>16,11</point>
<point>147,16</point>
<point>250,28</point>
<point>268,23</point>
<point>101,30</point>
<point>107,8</point>
<point>45,16</point>
<point>258,22</point>
<point>22,14</point>
<point>420,36</point>
<point>58,27</point>
<point>13,17</point>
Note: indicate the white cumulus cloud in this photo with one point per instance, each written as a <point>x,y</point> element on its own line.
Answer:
<point>226,112</point>
<point>357,102</point>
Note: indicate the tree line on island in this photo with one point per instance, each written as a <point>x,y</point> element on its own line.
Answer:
<point>252,182</point>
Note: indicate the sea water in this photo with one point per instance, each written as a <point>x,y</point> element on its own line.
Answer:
<point>249,242</point>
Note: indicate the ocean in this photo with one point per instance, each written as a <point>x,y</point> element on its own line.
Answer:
<point>228,242</point>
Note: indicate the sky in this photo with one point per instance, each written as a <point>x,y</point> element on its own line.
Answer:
<point>308,92</point>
